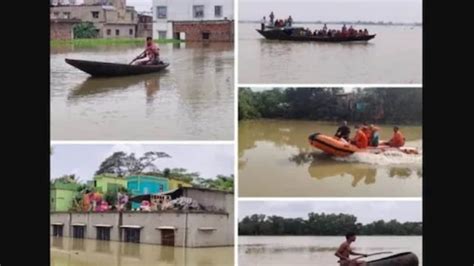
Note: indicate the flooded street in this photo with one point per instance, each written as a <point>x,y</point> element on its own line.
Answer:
<point>317,250</point>
<point>87,252</point>
<point>394,56</point>
<point>193,99</point>
<point>276,160</point>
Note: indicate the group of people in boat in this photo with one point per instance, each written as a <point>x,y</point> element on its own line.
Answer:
<point>324,32</point>
<point>280,23</point>
<point>368,136</point>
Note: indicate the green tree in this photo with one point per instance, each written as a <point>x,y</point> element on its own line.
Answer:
<point>85,30</point>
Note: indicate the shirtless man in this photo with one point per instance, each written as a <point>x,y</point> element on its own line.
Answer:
<point>344,251</point>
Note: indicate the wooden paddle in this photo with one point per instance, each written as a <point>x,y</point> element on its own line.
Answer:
<point>135,59</point>
<point>372,254</point>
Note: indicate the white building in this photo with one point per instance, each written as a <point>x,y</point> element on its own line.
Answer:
<point>202,12</point>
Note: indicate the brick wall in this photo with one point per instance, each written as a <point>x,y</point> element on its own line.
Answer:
<point>217,31</point>
<point>61,30</point>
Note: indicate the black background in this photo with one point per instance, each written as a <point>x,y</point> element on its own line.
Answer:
<point>447,134</point>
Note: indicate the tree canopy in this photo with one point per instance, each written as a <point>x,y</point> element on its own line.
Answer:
<point>123,164</point>
<point>323,224</point>
<point>381,105</point>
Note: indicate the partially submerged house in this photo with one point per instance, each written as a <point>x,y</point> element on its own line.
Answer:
<point>62,196</point>
<point>210,226</point>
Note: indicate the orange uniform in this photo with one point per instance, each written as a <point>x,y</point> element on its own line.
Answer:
<point>398,140</point>
<point>361,140</point>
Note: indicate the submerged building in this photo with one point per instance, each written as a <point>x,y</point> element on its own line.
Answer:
<point>193,20</point>
<point>111,18</point>
<point>210,226</point>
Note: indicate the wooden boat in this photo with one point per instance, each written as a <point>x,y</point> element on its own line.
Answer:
<point>337,147</point>
<point>400,259</point>
<point>293,34</point>
<point>104,69</point>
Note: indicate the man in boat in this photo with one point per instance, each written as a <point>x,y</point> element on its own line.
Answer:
<point>151,52</point>
<point>264,21</point>
<point>344,30</point>
<point>374,136</point>
<point>366,32</point>
<point>360,138</point>
<point>290,21</point>
<point>398,140</point>
<point>343,131</point>
<point>325,27</point>
<point>271,18</point>
<point>344,251</point>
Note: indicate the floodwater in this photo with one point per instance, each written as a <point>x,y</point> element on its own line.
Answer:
<point>393,56</point>
<point>318,250</point>
<point>276,160</point>
<point>191,100</point>
<point>87,252</point>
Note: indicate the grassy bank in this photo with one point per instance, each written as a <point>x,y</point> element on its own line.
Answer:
<point>99,42</point>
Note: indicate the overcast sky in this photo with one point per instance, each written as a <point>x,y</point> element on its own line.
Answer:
<point>334,10</point>
<point>365,211</point>
<point>84,159</point>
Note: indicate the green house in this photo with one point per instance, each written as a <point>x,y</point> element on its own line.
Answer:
<point>108,183</point>
<point>62,196</point>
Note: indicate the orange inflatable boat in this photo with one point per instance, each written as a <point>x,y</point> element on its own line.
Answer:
<point>336,147</point>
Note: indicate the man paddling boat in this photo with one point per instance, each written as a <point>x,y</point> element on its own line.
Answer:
<point>344,251</point>
<point>151,54</point>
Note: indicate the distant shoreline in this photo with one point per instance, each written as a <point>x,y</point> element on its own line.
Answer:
<point>365,23</point>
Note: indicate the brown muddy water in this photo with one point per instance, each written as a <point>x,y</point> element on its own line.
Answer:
<point>191,100</point>
<point>276,160</point>
<point>393,56</point>
<point>318,250</point>
<point>87,252</point>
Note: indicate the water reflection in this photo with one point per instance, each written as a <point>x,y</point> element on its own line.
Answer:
<point>99,87</point>
<point>95,252</point>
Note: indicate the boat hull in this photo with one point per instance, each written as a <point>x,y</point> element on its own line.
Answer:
<point>283,35</point>
<point>104,69</point>
<point>401,259</point>
<point>335,147</point>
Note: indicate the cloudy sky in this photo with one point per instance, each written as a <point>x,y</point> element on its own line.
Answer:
<point>365,211</point>
<point>334,10</point>
<point>84,159</point>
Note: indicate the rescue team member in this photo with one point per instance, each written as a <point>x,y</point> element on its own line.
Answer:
<point>360,139</point>
<point>343,131</point>
<point>398,140</point>
<point>344,251</point>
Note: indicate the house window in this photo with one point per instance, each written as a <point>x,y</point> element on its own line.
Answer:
<point>117,32</point>
<point>218,11</point>
<point>161,34</point>
<point>56,14</point>
<point>198,11</point>
<point>130,31</point>
<point>205,35</point>
<point>67,15</point>
<point>108,33</point>
<point>161,188</point>
<point>161,12</point>
<point>103,233</point>
<point>78,231</point>
<point>57,230</point>
<point>131,235</point>
<point>95,14</point>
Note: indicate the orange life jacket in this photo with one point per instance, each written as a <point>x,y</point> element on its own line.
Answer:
<point>361,140</point>
<point>397,140</point>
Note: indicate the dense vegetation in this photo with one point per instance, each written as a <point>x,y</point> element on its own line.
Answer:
<point>377,105</point>
<point>85,30</point>
<point>323,224</point>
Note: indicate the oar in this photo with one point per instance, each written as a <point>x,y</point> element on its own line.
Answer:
<point>136,58</point>
<point>372,254</point>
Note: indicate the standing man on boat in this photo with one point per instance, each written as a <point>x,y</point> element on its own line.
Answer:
<point>343,131</point>
<point>151,52</point>
<point>271,18</point>
<point>290,21</point>
<point>344,251</point>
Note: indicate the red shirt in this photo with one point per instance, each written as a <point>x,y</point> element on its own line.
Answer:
<point>152,51</point>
